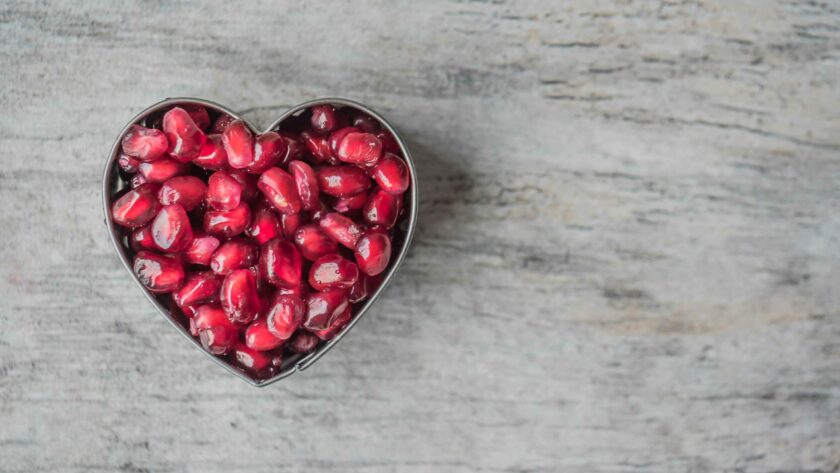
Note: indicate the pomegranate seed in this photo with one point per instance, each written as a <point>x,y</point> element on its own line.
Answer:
<point>189,310</point>
<point>212,155</point>
<point>303,342</point>
<point>289,224</point>
<point>128,164</point>
<point>307,184</point>
<point>338,135</point>
<point>188,191</point>
<point>259,338</point>
<point>285,315</point>
<point>373,252</point>
<point>210,315</point>
<point>295,147</point>
<point>221,123</point>
<point>280,263</point>
<point>145,144</point>
<point>199,116</point>
<point>233,254</point>
<point>201,249</point>
<point>382,208</point>
<point>264,225</point>
<point>336,325</point>
<point>239,144</point>
<point>262,364</point>
<point>171,229</point>
<point>350,204</point>
<point>223,191</point>
<point>331,271</point>
<point>280,189</point>
<point>313,242</point>
<point>239,296</point>
<point>137,180</point>
<point>248,183</point>
<point>269,149</point>
<point>300,291</point>
<point>162,170</point>
<point>323,118</point>
<point>365,122</point>
<point>185,137</point>
<point>342,181</point>
<point>323,307</point>
<point>198,288</point>
<point>141,239</point>
<point>363,288</point>
<point>227,223</point>
<point>359,148</point>
<point>389,143</point>
<point>157,272</point>
<point>391,174</point>
<point>218,340</point>
<point>318,145</point>
<point>341,229</point>
<point>137,207</point>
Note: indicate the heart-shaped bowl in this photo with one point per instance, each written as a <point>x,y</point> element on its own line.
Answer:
<point>113,184</point>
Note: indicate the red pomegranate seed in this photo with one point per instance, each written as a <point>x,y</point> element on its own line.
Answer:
<point>285,315</point>
<point>239,144</point>
<point>261,363</point>
<point>171,229</point>
<point>342,181</point>
<point>300,291</point>
<point>201,249</point>
<point>391,174</point>
<point>221,123</point>
<point>223,191</point>
<point>336,325</point>
<point>307,184</point>
<point>338,135</point>
<point>248,182</point>
<point>189,310</point>
<point>185,137</point>
<point>157,272</point>
<point>280,189</point>
<point>373,252</point>
<point>188,191</point>
<point>162,170</point>
<point>198,288</point>
<point>141,239</point>
<point>218,340</point>
<point>269,149</point>
<point>303,342</point>
<point>318,145</point>
<point>350,204</point>
<point>137,180</point>
<point>128,164</point>
<point>322,308</point>
<point>365,122</point>
<point>289,224</point>
<point>313,242</point>
<point>264,225</point>
<point>199,116</point>
<point>389,143</point>
<point>210,315</point>
<point>212,155</point>
<point>145,144</point>
<point>363,288</point>
<point>331,271</point>
<point>382,208</point>
<point>137,207</point>
<point>295,147</point>
<point>280,263</point>
<point>359,148</point>
<point>239,296</point>
<point>341,229</point>
<point>258,337</point>
<point>227,223</point>
<point>323,118</point>
<point>233,254</point>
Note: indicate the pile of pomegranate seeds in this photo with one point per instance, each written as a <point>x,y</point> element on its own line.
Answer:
<point>264,243</point>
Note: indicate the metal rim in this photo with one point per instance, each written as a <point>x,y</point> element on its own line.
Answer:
<point>305,361</point>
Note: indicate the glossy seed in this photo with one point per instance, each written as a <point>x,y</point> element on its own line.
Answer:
<point>234,254</point>
<point>223,191</point>
<point>341,229</point>
<point>342,181</point>
<point>306,183</point>
<point>313,242</point>
<point>391,173</point>
<point>160,274</point>
<point>171,229</point>
<point>280,263</point>
<point>185,137</point>
<point>331,271</point>
<point>280,189</point>
<point>239,297</point>
<point>187,191</point>
<point>239,144</point>
<point>323,307</point>
<point>227,223</point>
<point>382,209</point>
<point>285,315</point>
<point>373,252</point>
<point>137,207</point>
<point>145,144</point>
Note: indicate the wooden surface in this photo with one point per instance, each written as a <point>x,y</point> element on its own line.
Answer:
<point>627,261</point>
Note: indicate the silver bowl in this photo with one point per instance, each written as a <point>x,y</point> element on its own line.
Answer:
<point>112,184</point>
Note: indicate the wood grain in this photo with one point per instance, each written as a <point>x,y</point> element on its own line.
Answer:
<point>627,258</point>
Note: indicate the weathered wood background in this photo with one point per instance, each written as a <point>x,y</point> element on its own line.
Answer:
<point>628,257</point>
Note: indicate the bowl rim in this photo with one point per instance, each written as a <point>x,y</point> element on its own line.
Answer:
<point>303,362</point>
